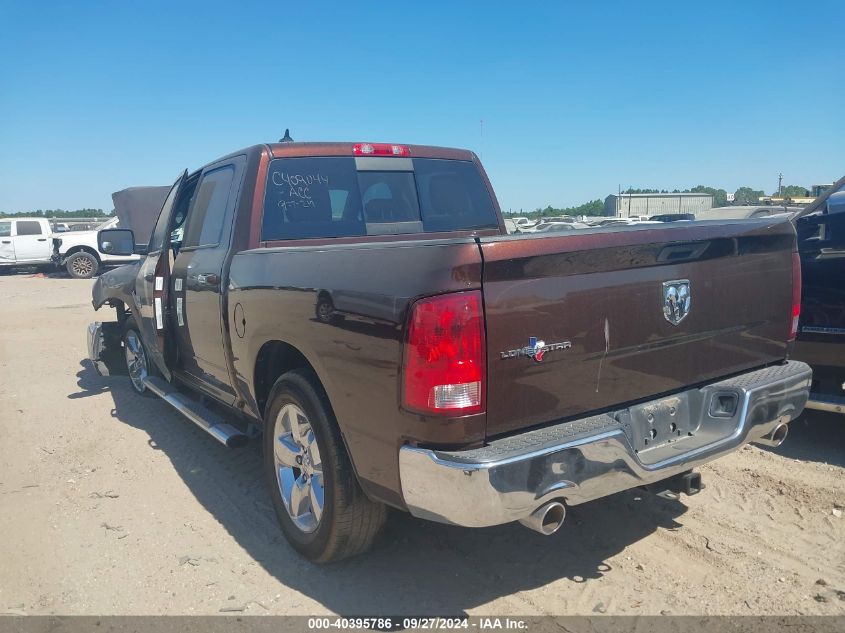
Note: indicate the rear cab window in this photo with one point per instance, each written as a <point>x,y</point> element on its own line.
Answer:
<point>326,197</point>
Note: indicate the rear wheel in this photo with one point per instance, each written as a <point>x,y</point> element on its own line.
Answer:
<point>82,265</point>
<point>137,361</point>
<point>320,506</point>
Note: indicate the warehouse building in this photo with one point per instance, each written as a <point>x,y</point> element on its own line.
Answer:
<point>637,204</point>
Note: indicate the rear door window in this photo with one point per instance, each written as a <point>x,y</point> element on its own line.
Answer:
<point>5,229</point>
<point>328,197</point>
<point>28,227</point>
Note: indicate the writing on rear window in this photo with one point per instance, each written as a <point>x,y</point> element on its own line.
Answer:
<point>329,197</point>
<point>298,188</point>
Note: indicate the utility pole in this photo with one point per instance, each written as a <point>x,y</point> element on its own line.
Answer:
<point>780,184</point>
<point>619,200</point>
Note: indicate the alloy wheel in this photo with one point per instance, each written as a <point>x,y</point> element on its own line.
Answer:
<point>136,360</point>
<point>82,266</point>
<point>299,470</point>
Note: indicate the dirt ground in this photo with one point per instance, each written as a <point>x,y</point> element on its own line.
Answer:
<point>113,504</point>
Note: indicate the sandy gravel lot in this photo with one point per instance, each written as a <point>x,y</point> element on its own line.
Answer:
<point>112,504</point>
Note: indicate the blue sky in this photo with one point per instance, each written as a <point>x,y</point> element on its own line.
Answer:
<point>576,98</point>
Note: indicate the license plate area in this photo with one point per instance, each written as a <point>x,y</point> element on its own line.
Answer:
<point>661,422</point>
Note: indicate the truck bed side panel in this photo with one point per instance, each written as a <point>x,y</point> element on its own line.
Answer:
<point>357,356</point>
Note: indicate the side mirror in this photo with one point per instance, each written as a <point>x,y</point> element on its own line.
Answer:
<point>116,242</point>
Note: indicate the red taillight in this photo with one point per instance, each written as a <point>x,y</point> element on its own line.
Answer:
<point>444,360</point>
<point>380,149</point>
<point>796,295</point>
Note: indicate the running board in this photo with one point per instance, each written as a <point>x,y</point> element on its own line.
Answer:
<point>204,418</point>
<point>821,402</point>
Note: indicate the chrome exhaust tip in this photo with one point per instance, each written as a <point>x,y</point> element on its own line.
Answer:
<point>776,437</point>
<point>546,519</point>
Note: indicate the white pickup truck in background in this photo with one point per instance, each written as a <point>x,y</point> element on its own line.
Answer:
<point>77,252</point>
<point>25,241</point>
<point>32,242</point>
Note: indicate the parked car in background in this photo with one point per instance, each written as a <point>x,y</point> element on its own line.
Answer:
<point>478,378</point>
<point>743,212</point>
<point>77,252</point>
<point>25,241</point>
<point>523,222</point>
<point>821,330</point>
<point>554,227</point>
<point>673,217</point>
<point>611,221</point>
<point>83,226</point>
<point>136,208</point>
<point>511,226</point>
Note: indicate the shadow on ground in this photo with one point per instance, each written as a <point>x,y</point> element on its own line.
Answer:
<point>816,436</point>
<point>416,567</point>
<point>44,270</point>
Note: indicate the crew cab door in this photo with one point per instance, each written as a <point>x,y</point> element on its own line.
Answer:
<point>7,246</point>
<point>152,282</point>
<point>199,276</point>
<point>30,241</point>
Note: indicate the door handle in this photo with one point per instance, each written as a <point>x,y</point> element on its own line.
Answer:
<point>42,239</point>
<point>7,241</point>
<point>208,279</point>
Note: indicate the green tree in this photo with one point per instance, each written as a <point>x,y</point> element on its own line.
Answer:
<point>747,195</point>
<point>793,191</point>
<point>720,196</point>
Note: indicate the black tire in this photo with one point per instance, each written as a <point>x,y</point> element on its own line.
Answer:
<point>350,521</point>
<point>82,265</point>
<point>131,340</point>
<point>325,310</point>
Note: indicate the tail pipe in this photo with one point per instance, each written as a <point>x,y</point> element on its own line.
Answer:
<point>546,519</point>
<point>775,437</point>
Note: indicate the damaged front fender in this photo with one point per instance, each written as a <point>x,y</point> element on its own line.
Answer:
<point>115,285</point>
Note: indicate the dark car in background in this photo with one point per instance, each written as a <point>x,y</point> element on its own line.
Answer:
<point>673,217</point>
<point>821,331</point>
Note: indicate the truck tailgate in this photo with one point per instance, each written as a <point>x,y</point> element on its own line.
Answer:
<point>596,299</point>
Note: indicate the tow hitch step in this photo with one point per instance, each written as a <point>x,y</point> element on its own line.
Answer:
<point>207,420</point>
<point>688,483</point>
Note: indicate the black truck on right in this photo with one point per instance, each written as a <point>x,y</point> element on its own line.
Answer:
<point>821,330</point>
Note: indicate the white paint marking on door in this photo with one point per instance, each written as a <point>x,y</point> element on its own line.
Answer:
<point>179,311</point>
<point>159,283</point>
<point>178,285</point>
<point>159,318</point>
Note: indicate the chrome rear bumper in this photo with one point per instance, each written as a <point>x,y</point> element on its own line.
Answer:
<point>590,458</point>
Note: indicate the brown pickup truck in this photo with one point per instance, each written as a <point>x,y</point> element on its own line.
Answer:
<point>363,306</point>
